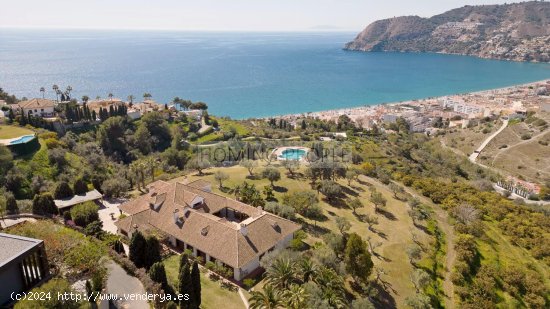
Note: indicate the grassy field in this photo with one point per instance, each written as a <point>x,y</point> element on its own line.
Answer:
<point>13,131</point>
<point>393,233</point>
<point>213,295</point>
<point>467,140</point>
<point>517,155</point>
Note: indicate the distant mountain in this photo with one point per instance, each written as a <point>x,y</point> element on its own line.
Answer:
<point>519,32</point>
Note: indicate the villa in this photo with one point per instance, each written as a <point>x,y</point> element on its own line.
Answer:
<point>36,107</point>
<point>214,227</point>
<point>95,105</point>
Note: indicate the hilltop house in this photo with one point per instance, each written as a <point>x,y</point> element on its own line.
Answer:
<point>36,107</point>
<point>23,265</point>
<point>214,227</point>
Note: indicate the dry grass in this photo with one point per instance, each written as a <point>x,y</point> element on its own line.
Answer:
<point>394,231</point>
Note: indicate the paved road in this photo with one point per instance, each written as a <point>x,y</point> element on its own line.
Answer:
<point>120,283</point>
<point>473,156</point>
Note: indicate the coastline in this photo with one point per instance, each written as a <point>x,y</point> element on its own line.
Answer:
<point>344,110</point>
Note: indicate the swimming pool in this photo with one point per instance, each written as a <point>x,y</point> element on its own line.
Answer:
<point>292,154</point>
<point>23,139</point>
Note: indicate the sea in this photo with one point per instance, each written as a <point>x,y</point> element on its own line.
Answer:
<point>240,75</point>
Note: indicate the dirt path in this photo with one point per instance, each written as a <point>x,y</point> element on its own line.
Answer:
<point>532,139</point>
<point>442,219</point>
<point>475,154</point>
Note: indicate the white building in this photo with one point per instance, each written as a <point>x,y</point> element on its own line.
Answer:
<point>36,107</point>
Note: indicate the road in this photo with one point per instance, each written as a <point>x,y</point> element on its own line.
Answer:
<point>120,283</point>
<point>475,154</point>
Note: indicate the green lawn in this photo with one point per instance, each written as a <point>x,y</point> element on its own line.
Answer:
<point>213,295</point>
<point>394,233</point>
<point>13,131</point>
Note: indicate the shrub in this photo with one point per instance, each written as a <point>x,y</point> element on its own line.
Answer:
<point>63,190</point>
<point>84,214</point>
<point>80,187</point>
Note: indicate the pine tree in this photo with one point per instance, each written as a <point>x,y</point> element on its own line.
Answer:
<point>185,286</point>
<point>157,273</point>
<point>152,253</point>
<point>11,205</point>
<point>138,245</point>
<point>357,258</point>
<point>94,116</point>
<point>184,260</point>
<point>195,295</point>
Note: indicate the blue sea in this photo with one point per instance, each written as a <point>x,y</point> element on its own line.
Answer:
<point>240,75</point>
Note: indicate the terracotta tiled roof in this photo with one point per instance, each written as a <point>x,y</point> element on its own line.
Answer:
<point>36,103</point>
<point>236,244</point>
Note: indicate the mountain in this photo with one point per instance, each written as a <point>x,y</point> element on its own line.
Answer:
<point>519,32</point>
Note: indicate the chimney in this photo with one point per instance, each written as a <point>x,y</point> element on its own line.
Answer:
<point>244,229</point>
<point>176,216</point>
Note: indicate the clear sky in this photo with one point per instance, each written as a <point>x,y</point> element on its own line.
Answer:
<point>228,15</point>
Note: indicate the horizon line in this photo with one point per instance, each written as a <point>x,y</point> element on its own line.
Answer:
<point>312,29</point>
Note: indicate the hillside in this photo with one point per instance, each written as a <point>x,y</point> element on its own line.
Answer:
<point>519,32</point>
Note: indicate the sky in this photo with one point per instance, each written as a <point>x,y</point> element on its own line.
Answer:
<point>217,15</point>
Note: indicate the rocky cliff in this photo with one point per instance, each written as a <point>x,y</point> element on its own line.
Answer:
<point>519,32</point>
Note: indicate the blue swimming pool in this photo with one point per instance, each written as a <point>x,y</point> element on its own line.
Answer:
<point>292,154</point>
<point>23,139</point>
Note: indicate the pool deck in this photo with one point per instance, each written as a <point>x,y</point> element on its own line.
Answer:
<point>7,141</point>
<point>278,152</point>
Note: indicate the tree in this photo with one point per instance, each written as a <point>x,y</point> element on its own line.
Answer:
<point>419,301</point>
<point>199,164</point>
<point>291,166</point>
<point>250,165</point>
<point>152,252</point>
<point>63,190</point>
<point>272,174</point>
<point>85,213</point>
<point>157,273</point>
<point>307,269</point>
<point>395,189</point>
<point>371,221</point>
<point>343,225</point>
<point>143,139</point>
<point>330,189</point>
<point>56,90</point>
<point>11,204</point>
<point>268,299</point>
<point>357,258</point>
<point>414,252</point>
<point>220,177</point>
<point>420,279</point>
<point>281,273</point>
<point>44,205</point>
<point>351,175</point>
<point>80,187</point>
<point>138,245</point>
<point>43,91</point>
<point>196,285</point>
<point>295,297</point>
<point>354,204</point>
<point>185,285</point>
<point>378,200</point>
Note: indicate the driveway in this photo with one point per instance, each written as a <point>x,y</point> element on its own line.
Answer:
<point>122,284</point>
<point>109,206</point>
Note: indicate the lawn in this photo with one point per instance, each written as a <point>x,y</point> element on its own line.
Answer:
<point>213,295</point>
<point>394,232</point>
<point>13,131</point>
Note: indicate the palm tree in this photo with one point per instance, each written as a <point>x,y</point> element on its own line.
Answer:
<point>281,273</point>
<point>308,269</point>
<point>68,90</point>
<point>147,96</point>
<point>295,297</point>
<point>85,98</point>
<point>43,91</point>
<point>56,90</point>
<point>110,95</point>
<point>131,99</point>
<point>269,299</point>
